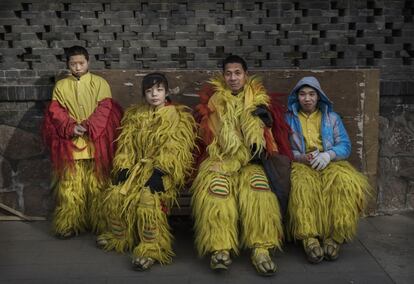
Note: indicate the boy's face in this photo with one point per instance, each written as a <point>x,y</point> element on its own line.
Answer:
<point>308,99</point>
<point>78,65</point>
<point>155,95</point>
<point>235,77</point>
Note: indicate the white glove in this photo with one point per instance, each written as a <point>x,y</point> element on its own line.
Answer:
<point>320,161</point>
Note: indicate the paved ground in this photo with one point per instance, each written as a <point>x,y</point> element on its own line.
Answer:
<point>383,252</point>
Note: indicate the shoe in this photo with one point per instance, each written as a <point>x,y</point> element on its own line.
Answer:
<point>65,235</point>
<point>331,249</point>
<point>263,263</point>
<point>220,260</point>
<point>142,263</point>
<point>101,241</point>
<point>313,250</point>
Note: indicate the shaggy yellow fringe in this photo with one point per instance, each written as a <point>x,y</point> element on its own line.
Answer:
<point>327,203</point>
<point>259,213</point>
<point>77,196</point>
<point>150,138</point>
<point>238,128</point>
<point>150,219</point>
<point>215,218</point>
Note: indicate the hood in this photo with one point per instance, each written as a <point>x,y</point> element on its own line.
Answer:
<point>324,103</point>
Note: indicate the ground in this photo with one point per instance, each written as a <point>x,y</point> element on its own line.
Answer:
<point>382,253</point>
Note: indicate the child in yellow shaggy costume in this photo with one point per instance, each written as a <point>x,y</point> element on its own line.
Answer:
<point>230,186</point>
<point>153,158</point>
<point>327,193</point>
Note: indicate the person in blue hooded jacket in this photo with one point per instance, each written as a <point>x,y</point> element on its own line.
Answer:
<point>327,193</point>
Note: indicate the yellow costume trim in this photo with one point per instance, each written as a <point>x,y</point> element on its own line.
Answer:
<point>327,203</point>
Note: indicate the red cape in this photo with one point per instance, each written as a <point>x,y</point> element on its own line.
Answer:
<point>102,129</point>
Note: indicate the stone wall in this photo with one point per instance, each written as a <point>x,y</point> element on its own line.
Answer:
<point>147,35</point>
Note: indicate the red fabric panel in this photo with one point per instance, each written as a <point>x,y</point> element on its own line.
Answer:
<point>280,128</point>
<point>103,128</point>
<point>57,131</point>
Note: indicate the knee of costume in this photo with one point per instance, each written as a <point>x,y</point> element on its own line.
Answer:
<point>215,212</point>
<point>259,210</point>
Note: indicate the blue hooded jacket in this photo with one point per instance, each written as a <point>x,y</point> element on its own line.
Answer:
<point>335,139</point>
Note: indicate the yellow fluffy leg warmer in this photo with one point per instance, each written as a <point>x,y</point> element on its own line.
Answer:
<point>119,236</point>
<point>346,192</point>
<point>259,210</point>
<point>306,213</point>
<point>76,194</point>
<point>215,212</point>
<point>153,229</point>
<point>326,203</point>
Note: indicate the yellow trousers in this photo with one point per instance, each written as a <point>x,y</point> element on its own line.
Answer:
<point>77,196</point>
<point>326,203</point>
<point>137,221</point>
<point>220,203</point>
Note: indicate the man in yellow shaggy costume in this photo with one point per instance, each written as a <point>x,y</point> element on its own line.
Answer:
<point>327,193</point>
<point>153,158</point>
<point>231,186</point>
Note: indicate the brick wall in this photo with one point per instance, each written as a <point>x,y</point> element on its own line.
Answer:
<point>198,34</point>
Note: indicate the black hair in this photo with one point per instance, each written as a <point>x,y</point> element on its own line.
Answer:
<point>235,59</point>
<point>76,50</point>
<point>153,79</point>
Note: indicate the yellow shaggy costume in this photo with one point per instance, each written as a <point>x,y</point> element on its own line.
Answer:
<point>228,188</point>
<point>151,138</point>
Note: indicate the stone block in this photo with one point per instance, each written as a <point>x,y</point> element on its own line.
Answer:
<point>11,199</point>
<point>18,144</point>
<point>5,173</point>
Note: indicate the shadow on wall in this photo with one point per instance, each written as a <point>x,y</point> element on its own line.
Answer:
<point>25,180</point>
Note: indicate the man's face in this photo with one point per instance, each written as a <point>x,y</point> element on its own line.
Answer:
<point>235,77</point>
<point>155,95</point>
<point>308,99</point>
<point>78,65</point>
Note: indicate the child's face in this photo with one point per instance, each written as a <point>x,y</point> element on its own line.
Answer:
<point>155,95</point>
<point>308,99</point>
<point>78,65</point>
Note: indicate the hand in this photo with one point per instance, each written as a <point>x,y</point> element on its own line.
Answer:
<point>121,176</point>
<point>264,114</point>
<point>79,130</point>
<point>321,161</point>
<point>155,181</point>
<point>256,155</point>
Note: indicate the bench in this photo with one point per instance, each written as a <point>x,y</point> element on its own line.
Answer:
<point>355,94</point>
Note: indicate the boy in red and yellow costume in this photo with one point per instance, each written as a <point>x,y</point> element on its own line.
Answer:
<point>79,128</point>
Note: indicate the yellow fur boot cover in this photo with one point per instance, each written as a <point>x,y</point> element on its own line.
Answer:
<point>75,194</point>
<point>215,211</point>
<point>117,235</point>
<point>346,191</point>
<point>259,210</point>
<point>306,210</point>
<point>153,230</point>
